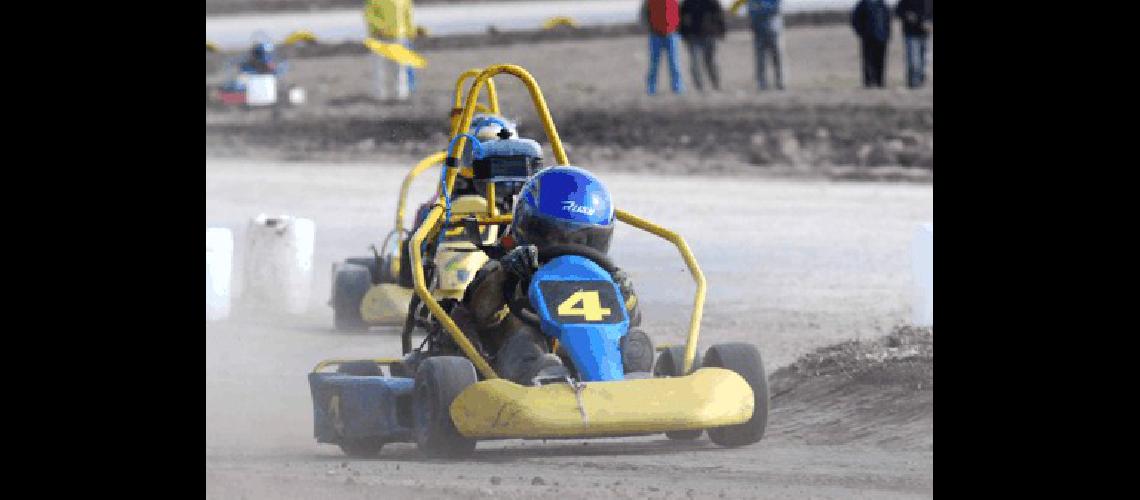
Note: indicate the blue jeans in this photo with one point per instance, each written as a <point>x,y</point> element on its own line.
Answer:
<point>411,70</point>
<point>915,61</point>
<point>668,43</point>
<point>766,42</point>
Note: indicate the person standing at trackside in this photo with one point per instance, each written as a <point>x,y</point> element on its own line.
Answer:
<point>917,17</point>
<point>663,18</point>
<point>390,21</point>
<point>872,22</point>
<point>767,38</point>
<point>702,23</point>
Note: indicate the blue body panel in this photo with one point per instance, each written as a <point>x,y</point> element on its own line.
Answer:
<point>365,407</point>
<point>594,347</point>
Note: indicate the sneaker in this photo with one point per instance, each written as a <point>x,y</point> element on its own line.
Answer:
<point>549,369</point>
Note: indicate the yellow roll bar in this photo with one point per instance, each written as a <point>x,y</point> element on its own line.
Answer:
<point>492,95</point>
<point>694,269</point>
<point>424,164</point>
<point>539,105</point>
<point>431,225</point>
<point>433,222</point>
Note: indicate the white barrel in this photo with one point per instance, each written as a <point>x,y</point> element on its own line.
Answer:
<point>279,263</point>
<point>261,90</point>
<point>219,272</point>
<point>922,251</point>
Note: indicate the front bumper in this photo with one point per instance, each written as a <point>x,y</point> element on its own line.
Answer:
<point>499,409</point>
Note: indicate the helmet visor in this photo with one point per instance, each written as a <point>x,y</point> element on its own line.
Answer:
<point>545,232</point>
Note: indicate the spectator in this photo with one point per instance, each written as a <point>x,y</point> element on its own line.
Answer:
<point>916,17</point>
<point>702,23</point>
<point>767,34</point>
<point>662,17</point>
<point>260,60</point>
<point>390,21</point>
<point>872,22</point>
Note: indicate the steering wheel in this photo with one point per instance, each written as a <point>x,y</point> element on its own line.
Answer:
<point>519,302</point>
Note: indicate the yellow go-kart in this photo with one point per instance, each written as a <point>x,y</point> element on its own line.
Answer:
<point>446,401</point>
<point>376,290</point>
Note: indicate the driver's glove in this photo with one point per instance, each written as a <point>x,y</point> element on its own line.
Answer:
<point>521,261</point>
<point>626,286</point>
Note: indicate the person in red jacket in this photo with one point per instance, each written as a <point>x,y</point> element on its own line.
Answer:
<point>663,18</point>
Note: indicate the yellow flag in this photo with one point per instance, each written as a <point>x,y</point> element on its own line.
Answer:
<point>395,52</point>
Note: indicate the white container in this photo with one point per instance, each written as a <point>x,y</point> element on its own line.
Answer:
<point>219,272</point>
<point>279,263</point>
<point>261,90</point>
<point>922,251</point>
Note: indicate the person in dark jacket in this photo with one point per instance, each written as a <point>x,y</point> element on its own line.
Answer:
<point>872,22</point>
<point>702,23</point>
<point>917,17</point>
<point>663,18</point>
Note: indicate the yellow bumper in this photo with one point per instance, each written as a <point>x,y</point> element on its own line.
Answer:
<point>497,408</point>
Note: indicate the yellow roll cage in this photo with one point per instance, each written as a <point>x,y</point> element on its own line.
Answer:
<point>438,157</point>
<point>433,222</point>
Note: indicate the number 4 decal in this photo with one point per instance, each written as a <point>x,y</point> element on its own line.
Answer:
<point>591,306</point>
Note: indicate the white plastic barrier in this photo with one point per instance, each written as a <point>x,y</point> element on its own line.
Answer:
<point>279,263</point>
<point>922,251</point>
<point>219,272</point>
<point>261,90</point>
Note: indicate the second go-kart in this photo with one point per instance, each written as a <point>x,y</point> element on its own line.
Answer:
<point>376,290</point>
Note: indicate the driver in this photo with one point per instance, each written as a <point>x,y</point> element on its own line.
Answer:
<point>557,206</point>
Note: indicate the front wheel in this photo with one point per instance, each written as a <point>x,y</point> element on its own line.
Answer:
<point>744,359</point>
<point>439,380</point>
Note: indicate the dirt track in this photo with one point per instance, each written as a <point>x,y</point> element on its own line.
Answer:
<point>824,125</point>
<point>792,266</point>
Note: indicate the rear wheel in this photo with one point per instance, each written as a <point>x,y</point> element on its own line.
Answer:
<point>669,364</point>
<point>744,359</point>
<point>350,284</point>
<point>438,381</point>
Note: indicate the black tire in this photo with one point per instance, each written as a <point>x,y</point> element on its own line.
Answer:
<point>368,263</point>
<point>669,364</point>
<point>351,283</point>
<point>438,381</point>
<point>743,359</point>
<point>361,369</point>
<point>636,351</point>
<point>361,447</point>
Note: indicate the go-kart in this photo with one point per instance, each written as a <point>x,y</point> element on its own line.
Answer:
<point>376,290</point>
<point>447,396</point>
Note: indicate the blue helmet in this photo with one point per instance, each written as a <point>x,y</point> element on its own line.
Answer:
<point>561,205</point>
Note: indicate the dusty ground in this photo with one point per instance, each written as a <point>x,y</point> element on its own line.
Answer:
<point>824,125</point>
<point>792,267</point>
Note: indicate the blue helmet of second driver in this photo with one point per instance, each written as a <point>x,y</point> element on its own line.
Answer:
<point>564,205</point>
